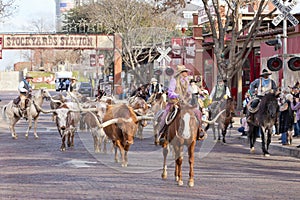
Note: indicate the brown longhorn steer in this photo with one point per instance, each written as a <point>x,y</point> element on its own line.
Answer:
<point>120,124</point>
<point>140,108</point>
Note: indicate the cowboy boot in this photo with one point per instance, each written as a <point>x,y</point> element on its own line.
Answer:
<point>201,134</point>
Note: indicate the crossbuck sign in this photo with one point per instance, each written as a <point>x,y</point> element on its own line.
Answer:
<point>285,12</point>
<point>164,54</point>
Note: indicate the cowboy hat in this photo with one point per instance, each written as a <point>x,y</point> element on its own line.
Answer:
<point>153,80</point>
<point>28,76</point>
<point>181,68</point>
<point>265,72</point>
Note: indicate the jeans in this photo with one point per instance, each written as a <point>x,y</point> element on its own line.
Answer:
<point>284,138</point>
<point>297,128</point>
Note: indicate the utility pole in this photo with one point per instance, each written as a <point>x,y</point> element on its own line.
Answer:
<point>284,52</point>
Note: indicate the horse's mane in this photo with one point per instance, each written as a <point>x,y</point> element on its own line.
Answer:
<point>268,98</point>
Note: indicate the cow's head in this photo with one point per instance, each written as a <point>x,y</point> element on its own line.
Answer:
<point>62,116</point>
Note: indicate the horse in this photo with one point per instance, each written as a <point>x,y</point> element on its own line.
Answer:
<point>182,130</point>
<point>263,121</point>
<point>13,113</point>
<point>225,119</point>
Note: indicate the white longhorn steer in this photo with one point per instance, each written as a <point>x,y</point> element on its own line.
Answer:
<point>67,116</point>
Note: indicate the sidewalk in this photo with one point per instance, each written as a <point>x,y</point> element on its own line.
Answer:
<point>290,150</point>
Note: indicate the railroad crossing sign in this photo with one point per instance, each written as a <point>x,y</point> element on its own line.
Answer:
<point>164,54</point>
<point>285,12</point>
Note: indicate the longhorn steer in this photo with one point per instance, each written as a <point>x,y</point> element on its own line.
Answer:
<point>120,124</point>
<point>89,120</point>
<point>67,117</point>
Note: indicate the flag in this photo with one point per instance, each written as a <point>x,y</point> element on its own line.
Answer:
<point>66,6</point>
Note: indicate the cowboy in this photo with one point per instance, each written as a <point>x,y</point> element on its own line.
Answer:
<point>258,88</point>
<point>154,88</point>
<point>220,90</point>
<point>25,90</point>
<point>179,90</point>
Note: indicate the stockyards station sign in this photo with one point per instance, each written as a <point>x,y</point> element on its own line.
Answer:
<point>56,41</point>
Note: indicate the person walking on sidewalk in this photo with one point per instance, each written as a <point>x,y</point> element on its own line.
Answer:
<point>286,118</point>
<point>296,107</point>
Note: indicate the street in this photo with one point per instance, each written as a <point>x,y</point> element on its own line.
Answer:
<point>37,169</point>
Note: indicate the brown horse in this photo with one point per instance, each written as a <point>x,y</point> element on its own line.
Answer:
<point>181,131</point>
<point>225,119</point>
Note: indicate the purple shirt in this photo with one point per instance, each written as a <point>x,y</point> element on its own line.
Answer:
<point>297,108</point>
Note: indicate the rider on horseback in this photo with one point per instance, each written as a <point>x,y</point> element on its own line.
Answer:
<point>154,88</point>
<point>179,91</point>
<point>25,90</point>
<point>258,88</point>
<point>220,90</point>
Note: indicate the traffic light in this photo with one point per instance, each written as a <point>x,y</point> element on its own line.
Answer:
<point>294,64</point>
<point>276,43</point>
<point>274,64</point>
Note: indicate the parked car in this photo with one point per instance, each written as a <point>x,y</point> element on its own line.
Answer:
<point>86,89</point>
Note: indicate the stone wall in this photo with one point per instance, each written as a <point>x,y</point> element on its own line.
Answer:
<point>10,80</point>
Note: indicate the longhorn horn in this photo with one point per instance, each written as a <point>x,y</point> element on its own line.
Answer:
<point>79,105</point>
<point>145,117</point>
<point>109,122</point>
<point>42,110</point>
<point>55,101</point>
<point>215,119</point>
<point>138,111</point>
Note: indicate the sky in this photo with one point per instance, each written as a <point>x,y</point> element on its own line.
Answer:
<point>27,12</point>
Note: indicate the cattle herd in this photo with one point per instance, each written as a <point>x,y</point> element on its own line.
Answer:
<point>106,119</point>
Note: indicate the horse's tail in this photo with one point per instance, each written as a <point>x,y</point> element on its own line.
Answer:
<point>4,112</point>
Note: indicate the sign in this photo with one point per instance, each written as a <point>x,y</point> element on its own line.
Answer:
<point>202,16</point>
<point>96,60</point>
<point>163,54</point>
<point>285,10</point>
<point>57,41</point>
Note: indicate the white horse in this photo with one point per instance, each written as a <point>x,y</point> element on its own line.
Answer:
<point>13,113</point>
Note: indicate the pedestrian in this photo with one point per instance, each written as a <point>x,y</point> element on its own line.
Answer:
<point>67,82</point>
<point>245,103</point>
<point>73,84</point>
<point>295,93</point>
<point>286,118</point>
<point>296,107</point>
<point>244,128</point>
<point>195,90</point>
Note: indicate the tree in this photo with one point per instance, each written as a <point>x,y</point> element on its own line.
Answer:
<point>224,21</point>
<point>7,8</point>
<point>41,59</point>
<point>141,29</point>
